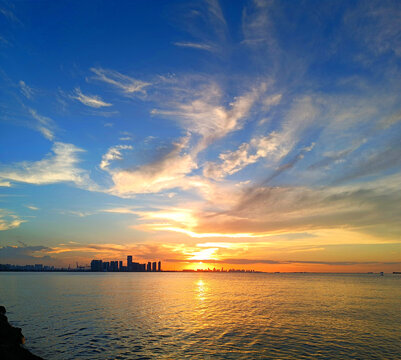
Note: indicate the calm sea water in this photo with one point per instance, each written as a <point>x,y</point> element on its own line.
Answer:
<point>206,316</point>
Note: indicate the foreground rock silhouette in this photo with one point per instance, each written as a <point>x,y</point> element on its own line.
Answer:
<point>11,341</point>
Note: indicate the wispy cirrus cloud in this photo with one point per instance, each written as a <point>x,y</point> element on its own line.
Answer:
<point>197,46</point>
<point>275,146</point>
<point>93,101</point>
<point>32,207</point>
<point>206,24</point>
<point>203,112</point>
<point>123,82</point>
<point>9,14</point>
<point>25,89</point>
<point>45,125</point>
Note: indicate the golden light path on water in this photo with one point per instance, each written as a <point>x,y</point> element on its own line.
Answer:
<point>205,315</point>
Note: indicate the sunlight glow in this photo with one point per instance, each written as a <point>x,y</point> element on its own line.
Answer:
<point>206,254</point>
<point>209,235</point>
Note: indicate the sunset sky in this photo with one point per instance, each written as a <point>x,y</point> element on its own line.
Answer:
<point>257,134</point>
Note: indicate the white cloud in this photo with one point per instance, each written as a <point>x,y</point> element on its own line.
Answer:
<point>125,83</point>
<point>274,147</point>
<point>59,166</point>
<point>26,90</point>
<point>120,211</point>
<point>271,100</point>
<point>113,153</point>
<point>204,113</point>
<point>89,100</point>
<point>44,124</point>
<point>165,173</point>
<point>8,220</point>
<point>257,26</point>
<point>31,207</point>
<point>195,46</point>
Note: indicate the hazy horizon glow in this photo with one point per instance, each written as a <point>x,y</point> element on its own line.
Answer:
<point>250,134</point>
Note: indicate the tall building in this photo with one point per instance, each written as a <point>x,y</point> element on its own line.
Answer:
<point>149,267</point>
<point>120,266</point>
<point>154,266</point>
<point>38,267</point>
<point>114,266</point>
<point>159,266</point>
<point>96,265</point>
<point>129,263</point>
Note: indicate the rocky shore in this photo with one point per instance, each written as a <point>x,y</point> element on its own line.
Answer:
<point>12,341</point>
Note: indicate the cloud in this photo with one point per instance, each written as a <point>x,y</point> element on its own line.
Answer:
<point>10,15</point>
<point>271,100</point>
<point>361,207</point>
<point>125,83</point>
<point>9,220</point>
<point>275,146</point>
<point>164,173</point>
<point>194,46</point>
<point>25,90</point>
<point>114,153</point>
<point>120,210</point>
<point>375,161</point>
<point>203,113</point>
<point>375,25</point>
<point>25,255</point>
<point>205,22</point>
<point>5,183</point>
<point>44,125</point>
<point>257,26</point>
<point>31,207</point>
<point>89,100</point>
<point>246,154</point>
<point>289,165</point>
<point>58,166</point>
<point>140,251</point>
<point>239,261</point>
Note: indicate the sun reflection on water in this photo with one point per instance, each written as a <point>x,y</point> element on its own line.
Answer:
<point>201,290</point>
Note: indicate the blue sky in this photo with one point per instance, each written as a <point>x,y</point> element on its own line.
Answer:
<point>240,132</point>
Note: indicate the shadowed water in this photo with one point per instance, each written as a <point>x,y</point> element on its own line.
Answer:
<point>206,316</point>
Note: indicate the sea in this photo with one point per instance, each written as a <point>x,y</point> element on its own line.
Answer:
<point>177,315</point>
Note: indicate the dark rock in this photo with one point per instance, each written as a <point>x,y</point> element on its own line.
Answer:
<point>11,341</point>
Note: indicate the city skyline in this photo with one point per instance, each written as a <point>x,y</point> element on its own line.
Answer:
<point>256,134</point>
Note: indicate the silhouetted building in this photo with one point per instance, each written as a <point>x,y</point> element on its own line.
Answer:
<point>120,266</point>
<point>159,266</point>
<point>154,266</point>
<point>129,263</point>
<point>96,265</point>
<point>113,266</point>
<point>38,267</point>
<point>106,266</point>
<point>149,267</point>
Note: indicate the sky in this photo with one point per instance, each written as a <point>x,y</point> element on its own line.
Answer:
<point>259,135</point>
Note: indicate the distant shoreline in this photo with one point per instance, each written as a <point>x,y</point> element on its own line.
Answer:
<point>198,272</point>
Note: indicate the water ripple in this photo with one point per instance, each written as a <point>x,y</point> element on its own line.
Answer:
<point>206,316</point>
